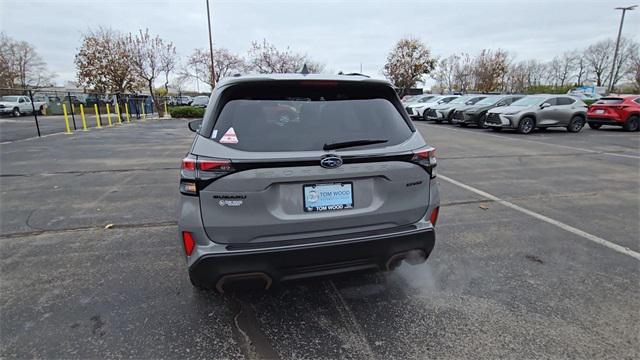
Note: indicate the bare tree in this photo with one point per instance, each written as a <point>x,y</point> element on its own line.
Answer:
<point>598,57</point>
<point>8,72</point>
<point>628,48</point>
<point>463,72</point>
<point>146,59</point>
<point>518,77</point>
<point>490,67</point>
<point>581,71</point>
<point>104,62</point>
<point>408,61</point>
<point>265,58</point>
<point>444,73</point>
<point>168,62</point>
<point>225,62</point>
<point>21,65</point>
<point>634,70</point>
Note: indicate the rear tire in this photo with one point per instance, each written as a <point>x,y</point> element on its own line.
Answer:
<point>16,112</point>
<point>631,124</point>
<point>576,124</point>
<point>595,126</point>
<point>526,125</point>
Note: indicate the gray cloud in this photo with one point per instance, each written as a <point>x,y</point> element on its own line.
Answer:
<point>341,34</point>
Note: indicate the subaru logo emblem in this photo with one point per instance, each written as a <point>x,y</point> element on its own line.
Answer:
<point>331,162</point>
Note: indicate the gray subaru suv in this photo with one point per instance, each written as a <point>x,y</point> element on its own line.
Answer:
<point>295,176</point>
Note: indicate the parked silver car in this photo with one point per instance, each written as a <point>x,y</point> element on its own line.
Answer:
<point>294,176</point>
<point>539,111</point>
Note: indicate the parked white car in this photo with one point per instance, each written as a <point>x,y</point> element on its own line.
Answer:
<point>17,105</point>
<point>416,110</point>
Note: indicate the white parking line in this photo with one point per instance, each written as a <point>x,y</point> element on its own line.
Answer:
<point>569,228</point>
<point>520,139</point>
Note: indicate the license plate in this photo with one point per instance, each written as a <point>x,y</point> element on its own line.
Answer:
<point>327,197</point>
<point>599,111</point>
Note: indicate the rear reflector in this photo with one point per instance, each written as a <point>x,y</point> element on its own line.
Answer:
<point>188,242</point>
<point>434,216</point>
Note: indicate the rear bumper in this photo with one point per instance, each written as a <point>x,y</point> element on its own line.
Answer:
<point>368,252</point>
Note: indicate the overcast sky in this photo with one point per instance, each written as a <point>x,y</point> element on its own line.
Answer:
<point>340,34</point>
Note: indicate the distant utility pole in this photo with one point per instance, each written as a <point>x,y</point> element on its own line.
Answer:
<point>615,53</point>
<point>213,70</point>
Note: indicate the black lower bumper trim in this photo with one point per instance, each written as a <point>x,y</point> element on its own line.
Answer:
<point>601,121</point>
<point>312,260</point>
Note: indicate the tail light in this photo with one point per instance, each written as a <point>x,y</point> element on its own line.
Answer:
<point>427,159</point>
<point>187,241</point>
<point>433,218</point>
<point>194,170</point>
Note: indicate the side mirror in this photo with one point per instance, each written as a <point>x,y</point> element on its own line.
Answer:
<point>545,105</point>
<point>195,125</point>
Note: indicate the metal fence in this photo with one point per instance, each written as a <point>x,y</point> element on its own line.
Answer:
<point>37,112</point>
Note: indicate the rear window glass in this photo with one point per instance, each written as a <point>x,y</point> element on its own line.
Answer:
<point>610,101</point>
<point>306,119</point>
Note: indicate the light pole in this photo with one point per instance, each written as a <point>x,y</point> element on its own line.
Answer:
<point>615,53</point>
<point>213,71</point>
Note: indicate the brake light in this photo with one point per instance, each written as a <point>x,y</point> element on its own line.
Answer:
<point>434,216</point>
<point>189,164</point>
<point>427,159</point>
<point>194,169</point>
<point>187,241</point>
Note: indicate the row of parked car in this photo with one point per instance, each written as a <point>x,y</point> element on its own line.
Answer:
<point>197,101</point>
<point>524,113</point>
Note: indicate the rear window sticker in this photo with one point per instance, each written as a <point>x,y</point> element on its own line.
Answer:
<point>229,137</point>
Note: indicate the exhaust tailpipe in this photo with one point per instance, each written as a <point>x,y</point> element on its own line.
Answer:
<point>413,257</point>
<point>244,277</point>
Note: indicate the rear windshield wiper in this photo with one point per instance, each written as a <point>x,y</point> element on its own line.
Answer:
<point>352,143</point>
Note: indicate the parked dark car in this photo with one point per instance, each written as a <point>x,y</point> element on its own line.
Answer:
<point>476,114</point>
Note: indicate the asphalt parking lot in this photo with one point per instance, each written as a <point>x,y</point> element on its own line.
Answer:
<point>24,127</point>
<point>536,256</point>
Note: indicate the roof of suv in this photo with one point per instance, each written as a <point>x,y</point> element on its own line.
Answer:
<point>289,77</point>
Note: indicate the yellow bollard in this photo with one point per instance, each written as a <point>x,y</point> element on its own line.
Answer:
<point>126,109</point>
<point>118,112</point>
<point>166,111</point>
<point>84,121</point>
<point>109,115</point>
<point>66,118</point>
<point>98,122</point>
<point>144,116</point>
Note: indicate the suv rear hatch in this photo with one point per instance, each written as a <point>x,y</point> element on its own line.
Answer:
<point>264,182</point>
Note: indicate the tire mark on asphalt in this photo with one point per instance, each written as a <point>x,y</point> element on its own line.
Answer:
<point>82,172</point>
<point>88,228</point>
<point>355,338</point>
<point>253,343</point>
